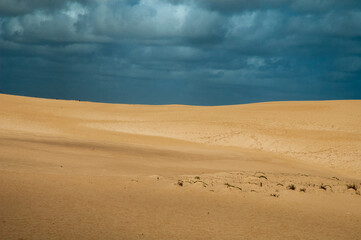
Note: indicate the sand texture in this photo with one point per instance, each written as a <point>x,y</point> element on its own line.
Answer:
<point>80,170</point>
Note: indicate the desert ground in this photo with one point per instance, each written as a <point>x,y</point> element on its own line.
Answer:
<point>81,170</point>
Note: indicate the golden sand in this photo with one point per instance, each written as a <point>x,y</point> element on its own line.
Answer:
<point>80,170</point>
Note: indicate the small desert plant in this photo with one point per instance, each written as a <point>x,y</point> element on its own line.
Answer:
<point>232,186</point>
<point>262,176</point>
<point>324,187</point>
<point>204,184</point>
<point>274,195</point>
<point>291,187</point>
<point>180,183</point>
<point>302,189</point>
<point>352,186</point>
<point>197,177</point>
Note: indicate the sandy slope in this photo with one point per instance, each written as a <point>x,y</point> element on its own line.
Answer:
<point>78,170</point>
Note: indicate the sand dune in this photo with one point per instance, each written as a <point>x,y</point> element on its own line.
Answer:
<point>79,170</point>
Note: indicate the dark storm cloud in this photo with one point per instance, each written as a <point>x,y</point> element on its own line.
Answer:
<point>236,6</point>
<point>193,52</point>
<point>21,7</point>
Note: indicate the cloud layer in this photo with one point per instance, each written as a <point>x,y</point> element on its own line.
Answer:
<point>192,52</point>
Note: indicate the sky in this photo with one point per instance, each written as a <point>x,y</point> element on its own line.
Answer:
<point>204,52</point>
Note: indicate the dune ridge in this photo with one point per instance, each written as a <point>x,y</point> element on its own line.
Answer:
<point>323,133</point>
